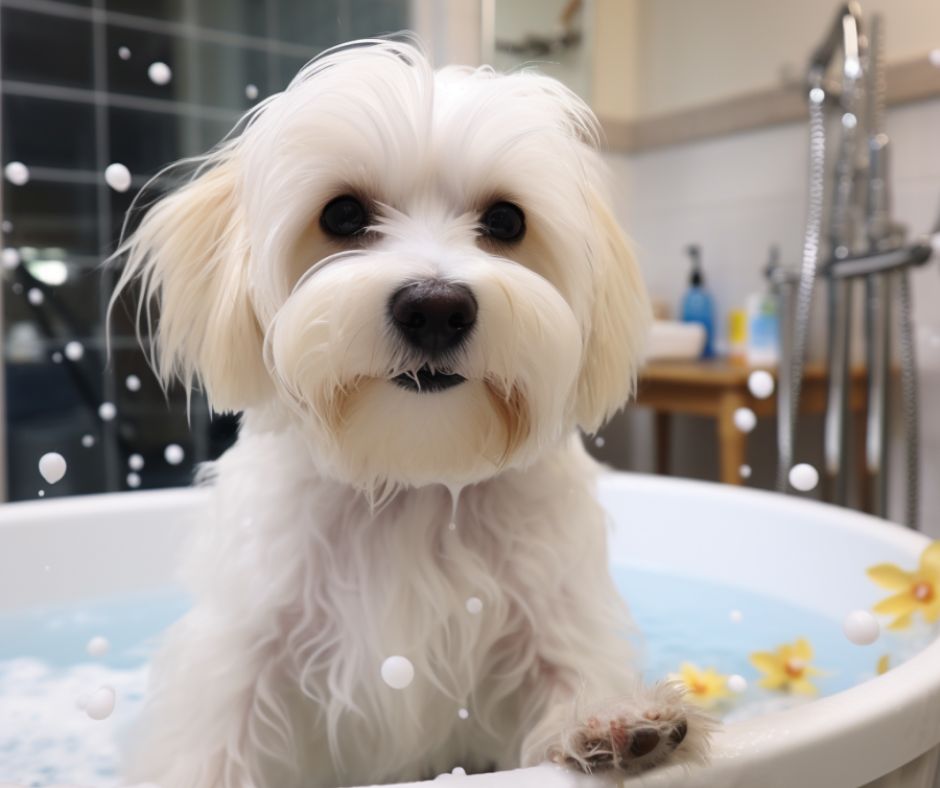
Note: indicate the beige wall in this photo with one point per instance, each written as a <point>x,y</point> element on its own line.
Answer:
<point>689,52</point>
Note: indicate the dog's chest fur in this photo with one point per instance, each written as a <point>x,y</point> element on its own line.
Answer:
<point>324,589</point>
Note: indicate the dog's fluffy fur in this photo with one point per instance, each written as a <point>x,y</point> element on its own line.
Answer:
<point>328,545</point>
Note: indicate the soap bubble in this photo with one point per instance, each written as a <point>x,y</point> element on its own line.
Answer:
<point>463,714</point>
<point>398,672</point>
<point>745,419</point>
<point>17,173</point>
<point>459,771</point>
<point>737,683</point>
<point>52,466</point>
<point>849,120</point>
<point>74,351</point>
<point>174,454</point>
<point>88,441</point>
<point>474,605</point>
<point>861,627</point>
<point>124,53</point>
<point>133,480</point>
<point>107,411</point>
<point>760,383</point>
<point>251,92</point>
<point>452,526</point>
<point>100,705</point>
<point>135,462</point>
<point>98,646</point>
<point>10,258</point>
<point>118,177</point>
<point>7,226</point>
<point>57,357</point>
<point>817,95</point>
<point>42,494</point>
<point>132,382</point>
<point>803,477</point>
<point>736,616</point>
<point>159,73</point>
<point>17,288</point>
<point>35,296</point>
<point>745,471</point>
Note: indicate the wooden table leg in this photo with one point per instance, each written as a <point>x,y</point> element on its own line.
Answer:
<point>732,443</point>
<point>663,441</point>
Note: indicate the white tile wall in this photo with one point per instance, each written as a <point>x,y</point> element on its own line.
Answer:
<point>737,195</point>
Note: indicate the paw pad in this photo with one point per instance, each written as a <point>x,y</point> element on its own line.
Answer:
<point>643,741</point>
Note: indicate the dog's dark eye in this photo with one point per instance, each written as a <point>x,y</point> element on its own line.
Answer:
<point>344,216</point>
<point>504,222</point>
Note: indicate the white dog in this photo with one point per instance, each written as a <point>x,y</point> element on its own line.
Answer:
<point>411,284</point>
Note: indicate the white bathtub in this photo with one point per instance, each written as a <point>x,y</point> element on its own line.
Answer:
<point>883,733</point>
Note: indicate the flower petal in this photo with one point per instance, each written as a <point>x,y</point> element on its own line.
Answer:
<point>803,687</point>
<point>930,559</point>
<point>901,622</point>
<point>773,682</point>
<point>897,605</point>
<point>766,662</point>
<point>803,650</point>
<point>931,613</point>
<point>889,576</point>
<point>884,664</point>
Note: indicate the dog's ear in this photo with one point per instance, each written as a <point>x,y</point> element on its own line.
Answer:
<point>619,323</point>
<point>190,256</point>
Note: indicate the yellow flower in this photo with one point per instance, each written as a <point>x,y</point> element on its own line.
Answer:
<point>918,590</point>
<point>705,687</point>
<point>883,665</point>
<point>787,668</point>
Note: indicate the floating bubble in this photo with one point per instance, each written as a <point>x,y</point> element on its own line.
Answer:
<point>100,704</point>
<point>124,53</point>
<point>817,95</point>
<point>88,441</point>
<point>737,683</point>
<point>745,419</point>
<point>174,454</point>
<point>57,357</point>
<point>7,226</point>
<point>861,627</point>
<point>459,771</point>
<point>463,714</point>
<point>118,177</point>
<point>17,288</point>
<point>745,471</point>
<point>17,173</point>
<point>42,494</point>
<point>159,73</point>
<point>803,477</point>
<point>849,120</point>
<point>98,646</point>
<point>35,296</point>
<point>132,382</point>
<point>474,605</point>
<point>736,616</point>
<point>107,411</point>
<point>74,350</point>
<point>133,480</point>
<point>251,92</point>
<point>52,466</point>
<point>760,383</point>
<point>599,442</point>
<point>10,258</point>
<point>398,672</point>
<point>135,462</point>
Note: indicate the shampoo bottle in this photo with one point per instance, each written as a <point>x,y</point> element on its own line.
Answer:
<point>697,304</point>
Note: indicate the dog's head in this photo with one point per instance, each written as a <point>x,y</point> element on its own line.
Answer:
<point>417,270</point>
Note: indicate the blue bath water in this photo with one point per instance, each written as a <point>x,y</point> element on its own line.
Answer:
<point>45,738</point>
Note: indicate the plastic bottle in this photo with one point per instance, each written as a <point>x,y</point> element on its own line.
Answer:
<point>697,304</point>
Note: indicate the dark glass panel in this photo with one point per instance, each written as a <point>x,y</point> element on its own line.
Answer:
<point>47,49</point>
<point>49,133</point>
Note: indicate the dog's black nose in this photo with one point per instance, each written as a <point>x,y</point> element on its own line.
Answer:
<point>433,315</point>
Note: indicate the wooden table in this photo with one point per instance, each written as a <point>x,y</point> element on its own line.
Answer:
<point>716,388</point>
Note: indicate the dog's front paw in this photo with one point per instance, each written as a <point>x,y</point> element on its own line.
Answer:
<point>652,728</point>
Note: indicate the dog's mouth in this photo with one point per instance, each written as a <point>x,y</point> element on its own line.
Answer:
<point>424,380</point>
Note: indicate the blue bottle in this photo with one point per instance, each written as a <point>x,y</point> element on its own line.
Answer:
<point>697,306</point>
